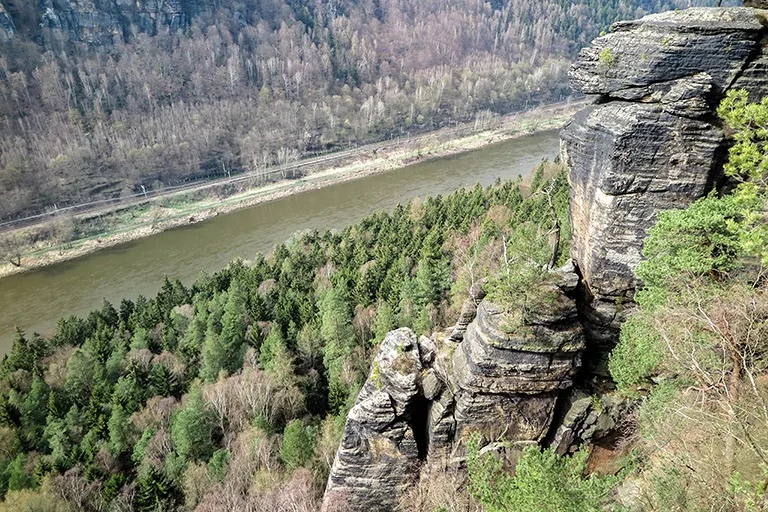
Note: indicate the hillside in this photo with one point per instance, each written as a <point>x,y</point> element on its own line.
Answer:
<point>101,99</point>
<point>591,340</point>
<point>231,394</point>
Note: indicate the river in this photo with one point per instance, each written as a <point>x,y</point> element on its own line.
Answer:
<point>35,300</point>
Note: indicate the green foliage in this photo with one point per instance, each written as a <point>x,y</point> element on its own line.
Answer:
<point>606,57</point>
<point>385,322</point>
<point>298,444</point>
<point>656,406</point>
<point>542,481</point>
<point>120,431</point>
<point>699,331</point>
<point>192,428</point>
<point>637,355</point>
<point>702,240</point>
<point>748,163</point>
<point>520,285</point>
<point>272,346</point>
<point>217,466</point>
<point>154,491</point>
<point>702,244</point>
<point>278,345</point>
<point>748,157</point>
<point>17,474</point>
<point>139,449</point>
<point>751,494</point>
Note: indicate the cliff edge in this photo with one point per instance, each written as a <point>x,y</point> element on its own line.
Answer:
<point>651,141</point>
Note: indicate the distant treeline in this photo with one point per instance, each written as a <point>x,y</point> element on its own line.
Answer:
<point>252,84</point>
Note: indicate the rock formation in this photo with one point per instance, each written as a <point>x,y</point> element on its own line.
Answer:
<point>98,22</point>
<point>652,140</point>
<point>424,398</point>
<point>383,440</point>
<point>505,380</point>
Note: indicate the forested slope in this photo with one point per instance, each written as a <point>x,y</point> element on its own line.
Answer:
<point>99,99</point>
<point>231,394</point>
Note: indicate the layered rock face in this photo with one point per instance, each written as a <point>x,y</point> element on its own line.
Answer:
<point>423,398</point>
<point>652,140</point>
<point>384,437</point>
<point>505,381</point>
<point>99,22</point>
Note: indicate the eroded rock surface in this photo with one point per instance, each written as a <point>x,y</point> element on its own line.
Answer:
<point>100,22</point>
<point>587,418</point>
<point>651,142</point>
<point>424,397</point>
<point>384,436</point>
<point>506,380</point>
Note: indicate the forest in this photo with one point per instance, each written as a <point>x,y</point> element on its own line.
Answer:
<point>231,393</point>
<point>247,86</point>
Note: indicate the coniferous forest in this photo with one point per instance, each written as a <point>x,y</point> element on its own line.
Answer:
<point>100,107</point>
<point>231,394</point>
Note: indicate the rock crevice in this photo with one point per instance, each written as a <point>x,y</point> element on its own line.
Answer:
<point>422,403</point>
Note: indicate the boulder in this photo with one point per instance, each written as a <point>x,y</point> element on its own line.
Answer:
<point>669,46</point>
<point>587,419</point>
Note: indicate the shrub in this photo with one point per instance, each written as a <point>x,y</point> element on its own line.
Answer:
<point>542,481</point>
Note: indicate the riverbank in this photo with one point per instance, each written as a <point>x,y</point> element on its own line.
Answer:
<point>119,225</point>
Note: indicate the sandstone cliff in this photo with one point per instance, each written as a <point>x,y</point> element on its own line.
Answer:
<point>423,398</point>
<point>100,22</point>
<point>652,140</point>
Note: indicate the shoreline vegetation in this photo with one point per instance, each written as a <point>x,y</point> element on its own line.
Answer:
<point>64,238</point>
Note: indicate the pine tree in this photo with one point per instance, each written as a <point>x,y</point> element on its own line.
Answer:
<point>20,357</point>
<point>214,355</point>
<point>154,491</point>
<point>336,328</point>
<point>192,428</point>
<point>120,431</point>
<point>385,322</point>
<point>298,444</point>
<point>163,381</point>
<point>273,344</point>
<point>234,326</point>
